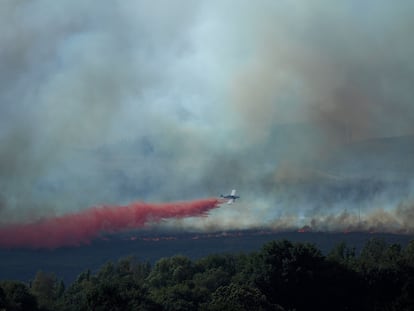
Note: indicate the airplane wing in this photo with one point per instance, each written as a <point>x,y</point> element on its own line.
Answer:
<point>233,192</point>
<point>230,201</point>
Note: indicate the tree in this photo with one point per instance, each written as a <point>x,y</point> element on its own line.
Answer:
<point>75,296</point>
<point>47,289</point>
<point>405,301</point>
<point>130,267</point>
<point>169,271</point>
<point>114,287</point>
<point>179,296</point>
<point>408,255</point>
<point>171,284</point>
<point>286,267</point>
<point>372,254</point>
<point>214,271</point>
<point>235,297</point>
<point>379,265</point>
<point>297,276</point>
<point>212,279</point>
<point>2,299</point>
<point>226,262</point>
<point>343,254</point>
<point>18,296</point>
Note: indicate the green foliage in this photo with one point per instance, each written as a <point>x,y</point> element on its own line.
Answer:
<point>214,271</point>
<point>343,254</point>
<point>2,299</point>
<point>284,266</point>
<point>372,254</point>
<point>176,297</point>
<point>236,297</point>
<point>17,296</point>
<point>381,267</point>
<point>169,271</point>
<point>281,276</point>
<point>47,289</point>
<point>226,262</point>
<point>405,302</point>
<point>248,269</point>
<point>172,285</point>
<point>115,287</point>
<point>131,267</point>
<point>75,296</point>
<point>296,276</point>
<point>212,278</point>
<point>408,255</point>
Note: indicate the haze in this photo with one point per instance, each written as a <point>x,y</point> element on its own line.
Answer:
<point>306,108</point>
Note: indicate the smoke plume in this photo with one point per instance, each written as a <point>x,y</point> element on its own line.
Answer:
<point>305,107</point>
<point>80,228</point>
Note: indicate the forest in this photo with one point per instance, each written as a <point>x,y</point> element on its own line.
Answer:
<point>281,276</point>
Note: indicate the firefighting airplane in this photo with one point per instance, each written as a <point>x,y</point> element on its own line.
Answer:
<point>232,197</point>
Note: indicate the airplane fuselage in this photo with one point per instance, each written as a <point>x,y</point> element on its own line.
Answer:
<point>229,196</point>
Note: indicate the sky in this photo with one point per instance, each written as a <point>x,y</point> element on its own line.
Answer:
<point>110,102</point>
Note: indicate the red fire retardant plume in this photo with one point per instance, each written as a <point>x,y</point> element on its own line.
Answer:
<point>81,228</point>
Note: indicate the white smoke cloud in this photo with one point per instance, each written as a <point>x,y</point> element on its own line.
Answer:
<point>113,101</point>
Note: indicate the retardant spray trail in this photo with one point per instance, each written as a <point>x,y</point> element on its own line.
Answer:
<point>81,228</point>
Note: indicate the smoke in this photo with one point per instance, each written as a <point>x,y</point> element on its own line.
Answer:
<point>81,228</point>
<point>305,108</point>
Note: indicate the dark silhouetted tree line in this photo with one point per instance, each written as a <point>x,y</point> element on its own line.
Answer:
<point>281,276</point>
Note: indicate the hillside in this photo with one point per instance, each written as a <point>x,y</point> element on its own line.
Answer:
<point>67,263</point>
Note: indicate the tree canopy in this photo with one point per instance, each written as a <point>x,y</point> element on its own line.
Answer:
<point>282,275</point>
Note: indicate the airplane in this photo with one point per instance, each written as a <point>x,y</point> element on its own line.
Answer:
<point>232,197</point>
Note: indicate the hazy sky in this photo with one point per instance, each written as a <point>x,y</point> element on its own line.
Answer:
<point>115,101</point>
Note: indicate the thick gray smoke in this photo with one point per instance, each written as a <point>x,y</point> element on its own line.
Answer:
<point>305,107</point>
